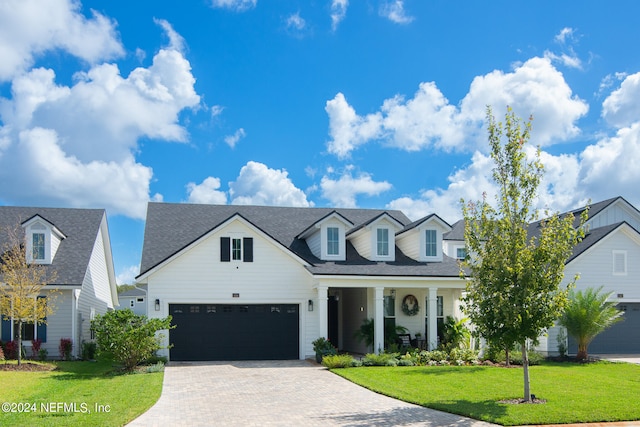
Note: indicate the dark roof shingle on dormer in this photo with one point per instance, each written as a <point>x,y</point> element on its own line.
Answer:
<point>80,228</point>
<point>171,227</point>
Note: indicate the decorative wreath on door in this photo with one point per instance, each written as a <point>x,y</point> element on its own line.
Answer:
<point>410,305</point>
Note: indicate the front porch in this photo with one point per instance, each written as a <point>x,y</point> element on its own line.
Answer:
<point>343,307</point>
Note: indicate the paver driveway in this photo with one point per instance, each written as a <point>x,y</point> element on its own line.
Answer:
<point>278,393</point>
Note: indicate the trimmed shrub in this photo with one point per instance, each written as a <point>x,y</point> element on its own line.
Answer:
<point>382,359</point>
<point>35,347</point>
<point>65,347</point>
<point>11,349</point>
<point>338,361</point>
<point>43,354</point>
<point>89,349</point>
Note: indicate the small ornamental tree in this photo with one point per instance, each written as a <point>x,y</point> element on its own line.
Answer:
<point>514,292</point>
<point>22,286</point>
<point>128,338</point>
<point>589,313</point>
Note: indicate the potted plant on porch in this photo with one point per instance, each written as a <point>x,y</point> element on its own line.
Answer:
<point>323,347</point>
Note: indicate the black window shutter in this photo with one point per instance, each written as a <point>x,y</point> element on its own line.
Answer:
<point>42,329</point>
<point>247,244</point>
<point>225,249</point>
<point>6,330</point>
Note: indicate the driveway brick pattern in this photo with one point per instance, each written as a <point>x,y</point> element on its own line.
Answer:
<point>279,393</point>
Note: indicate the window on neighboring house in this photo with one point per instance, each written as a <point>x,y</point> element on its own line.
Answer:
<point>333,241</point>
<point>620,263</point>
<point>431,243</point>
<point>383,242</point>
<point>236,249</point>
<point>38,246</point>
<point>28,331</point>
<point>461,253</point>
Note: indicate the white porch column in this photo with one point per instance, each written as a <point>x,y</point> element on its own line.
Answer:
<point>378,321</point>
<point>432,322</point>
<point>323,312</point>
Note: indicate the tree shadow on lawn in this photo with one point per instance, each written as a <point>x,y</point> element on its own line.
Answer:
<point>444,370</point>
<point>398,417</point>
<point>82,370</point>
<point>484,410</point>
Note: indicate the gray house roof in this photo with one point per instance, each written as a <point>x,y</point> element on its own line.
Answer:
<point>80,227</point>
<point>171,227</point>
<point>139,291</point>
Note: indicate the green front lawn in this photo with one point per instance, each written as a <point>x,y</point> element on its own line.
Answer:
<point>78,394</point>
<point>574,393</point>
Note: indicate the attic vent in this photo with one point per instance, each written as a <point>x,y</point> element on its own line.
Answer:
<point>620,262</point>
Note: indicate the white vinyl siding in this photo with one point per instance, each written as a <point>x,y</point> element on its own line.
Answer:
<point>274,277</point>
<point>619,263</point>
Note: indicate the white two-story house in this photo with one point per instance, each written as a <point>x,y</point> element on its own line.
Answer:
<point>75,244</point>
<point>257,282</point>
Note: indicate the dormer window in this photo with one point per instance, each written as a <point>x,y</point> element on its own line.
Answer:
<point>431,243</point>
<point>382,242</point>
<point>42,240</point>
<point>333,241</point>
<point>38,247</point>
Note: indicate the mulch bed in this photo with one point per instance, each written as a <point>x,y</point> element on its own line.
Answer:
<point>27,367</point>
<point>519,401</point>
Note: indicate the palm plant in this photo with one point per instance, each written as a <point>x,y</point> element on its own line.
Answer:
<point>588,314</point>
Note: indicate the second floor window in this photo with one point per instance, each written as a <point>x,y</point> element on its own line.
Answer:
<point>431,243</point>
<point>236,249</point>
<point>383,242</point>
<point>333,241</point>
<point>38,246</point>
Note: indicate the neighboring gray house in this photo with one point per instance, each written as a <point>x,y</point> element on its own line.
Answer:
<point>609,256</point>
<point>134,299</point>
<point>75,243</point>
<point>257,282</point>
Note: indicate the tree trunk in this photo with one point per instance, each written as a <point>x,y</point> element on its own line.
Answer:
<point>525,369</point>
<point>582,352</point>
<point>19,342</point>
<point>506,357</point>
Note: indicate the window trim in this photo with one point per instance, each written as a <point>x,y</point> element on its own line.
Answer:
<point>244,253</point>
<point>615,254</point>
<point>386,243</point>
<point>430,244</point>
<point>333,244</point>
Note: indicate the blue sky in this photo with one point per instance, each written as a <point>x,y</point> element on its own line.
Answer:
<point>339,103</point>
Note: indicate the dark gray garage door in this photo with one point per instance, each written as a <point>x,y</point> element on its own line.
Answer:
<point>234,332</point>
<point>621,338</point>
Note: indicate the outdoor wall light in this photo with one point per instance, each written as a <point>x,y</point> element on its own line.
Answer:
<point>310,305</point>
<point>157,304</point>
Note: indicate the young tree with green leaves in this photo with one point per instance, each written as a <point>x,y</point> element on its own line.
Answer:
<point>589,313</point>
<point>514,293</point>
<point>128,338</point>
<point>23,285</point>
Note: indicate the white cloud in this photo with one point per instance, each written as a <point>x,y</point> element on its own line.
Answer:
<point>347,129</point>
<point>394,11</point>
<point>36,171</point>
<point>176,41</point>
<point>259,185</point>
<point>569,60</point>
<point>207,192</point>
<point>236,5</point>
<point>29,28</point>
<point>79,141</point>
<point>338,12</point>
<point>295,22</point>
<point>610,167</point>
<point>567,33</point>
<point>622,108</point>
<point>232,140</point>
<point>429,120</point>
<point>534,88</point>
<point>128,275</point>
<point>342,192</point>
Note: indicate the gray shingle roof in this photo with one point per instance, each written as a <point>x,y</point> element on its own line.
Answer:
<point>170,227</point>
<point>80,226</point>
